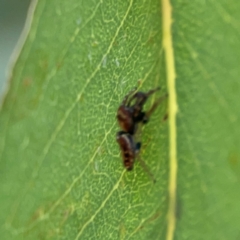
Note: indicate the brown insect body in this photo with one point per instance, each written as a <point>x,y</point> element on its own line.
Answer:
<point>125,119</point>
<point>128,149</point>
<point>129,115</point>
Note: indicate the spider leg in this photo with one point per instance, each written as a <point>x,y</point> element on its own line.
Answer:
<point>146,169</point>
<point>125,100</point>
<point>145,96</point>
<point>150,92</point>
<point>153,108</point>
<point>142,163</point>
<point>141,98</point>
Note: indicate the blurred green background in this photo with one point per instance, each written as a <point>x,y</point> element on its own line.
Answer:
<point>12,17</point>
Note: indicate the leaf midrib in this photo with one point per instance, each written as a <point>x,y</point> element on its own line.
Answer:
<point>171,77</point>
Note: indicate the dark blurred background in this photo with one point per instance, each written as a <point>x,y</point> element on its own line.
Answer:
<point>12,18</point>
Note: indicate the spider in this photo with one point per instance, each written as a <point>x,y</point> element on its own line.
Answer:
<point>129,116</point>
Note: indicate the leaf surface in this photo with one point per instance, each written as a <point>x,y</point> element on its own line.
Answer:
<point>206,44</point>
<point>61,171</point>
<point>61,174</point>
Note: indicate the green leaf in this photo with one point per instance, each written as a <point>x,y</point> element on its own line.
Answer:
<point>207,56</point>
<point>61,174</point>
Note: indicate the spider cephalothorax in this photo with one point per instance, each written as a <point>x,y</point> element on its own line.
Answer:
<point>130,112</point>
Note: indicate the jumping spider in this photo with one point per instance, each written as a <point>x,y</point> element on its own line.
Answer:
<point>130,115</point>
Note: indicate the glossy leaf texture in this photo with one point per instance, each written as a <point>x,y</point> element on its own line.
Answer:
<point>61,174</point>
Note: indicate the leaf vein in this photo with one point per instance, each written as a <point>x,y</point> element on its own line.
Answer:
<point>171,77</point>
